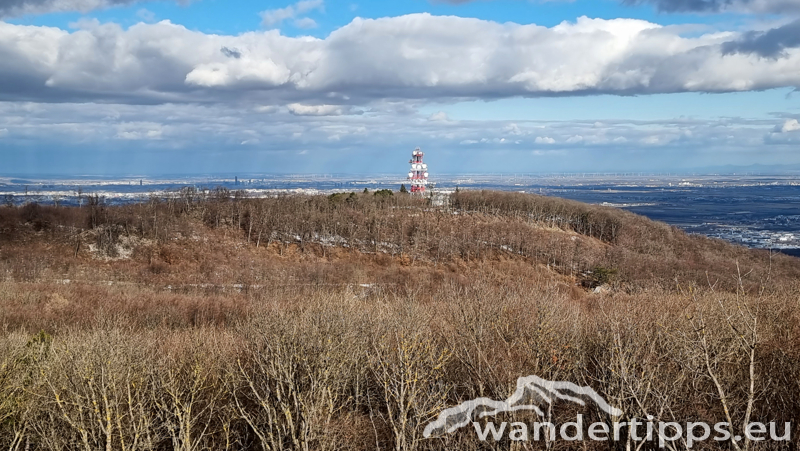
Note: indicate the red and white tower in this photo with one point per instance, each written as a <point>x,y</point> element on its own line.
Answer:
<point>419,172</point>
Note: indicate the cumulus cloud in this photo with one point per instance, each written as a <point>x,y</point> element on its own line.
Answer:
<point>418,58</point>
<point>757,6</point>
<point>791,125</point>
<point>264,73</point>
<point>786,133</point>
<point>544,140</point>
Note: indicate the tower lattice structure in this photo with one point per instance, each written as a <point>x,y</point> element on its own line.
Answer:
<point>419,172</point>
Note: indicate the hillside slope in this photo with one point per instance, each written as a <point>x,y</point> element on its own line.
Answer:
<point>215,321</point>
<point>222,238</point>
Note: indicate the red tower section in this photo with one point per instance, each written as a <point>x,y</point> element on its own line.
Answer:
<point>419,172</point>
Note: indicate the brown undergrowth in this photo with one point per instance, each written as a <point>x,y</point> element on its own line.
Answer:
<point>214,321</point>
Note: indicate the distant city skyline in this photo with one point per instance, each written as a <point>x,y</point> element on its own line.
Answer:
<point>122,87</point>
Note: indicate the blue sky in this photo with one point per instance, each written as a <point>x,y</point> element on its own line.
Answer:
<point>233,17</point>
<point>326,86</point>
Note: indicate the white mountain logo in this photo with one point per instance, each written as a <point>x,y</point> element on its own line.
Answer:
<point>531,392</point>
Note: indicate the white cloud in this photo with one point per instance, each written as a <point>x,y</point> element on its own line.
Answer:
<point>3,132</point>
<point>420,57</point>
<point>791,125</point>
<point>512,129</point>
<point>316,110</point>
<point>274,17</point>
<point>544,140</point>
<point>787,133</point>
<point>139,130</point>
<point>263,72</point>
<point>305,23</point>
<point>441,116</point>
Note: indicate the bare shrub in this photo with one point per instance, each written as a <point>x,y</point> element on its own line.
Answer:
<point>317,323</point>
<point>99,394</point>
<point>295,378</point>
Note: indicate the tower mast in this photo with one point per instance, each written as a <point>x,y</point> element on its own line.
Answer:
<point>419,172</point>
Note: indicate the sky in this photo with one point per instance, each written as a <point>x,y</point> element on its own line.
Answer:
<point>122,87</point>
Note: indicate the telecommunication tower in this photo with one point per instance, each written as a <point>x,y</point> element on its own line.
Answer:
<point>419,172</point>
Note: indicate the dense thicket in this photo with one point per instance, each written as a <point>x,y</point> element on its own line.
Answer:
<point>217,321</point>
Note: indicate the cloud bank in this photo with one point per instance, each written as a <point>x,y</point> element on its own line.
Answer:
<point>179,95</point>
<point>417,56</point>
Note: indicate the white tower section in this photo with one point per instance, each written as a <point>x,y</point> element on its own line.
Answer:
<point>419,172</point>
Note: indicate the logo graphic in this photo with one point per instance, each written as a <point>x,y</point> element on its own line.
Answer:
<point>532,392</point>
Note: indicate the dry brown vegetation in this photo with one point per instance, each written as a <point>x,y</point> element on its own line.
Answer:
<point>216,321</point>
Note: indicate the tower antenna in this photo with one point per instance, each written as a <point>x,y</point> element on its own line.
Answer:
<point>419,172</point>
